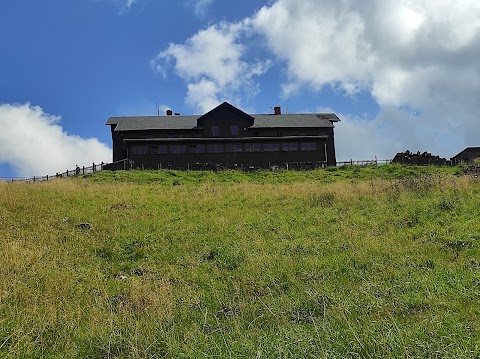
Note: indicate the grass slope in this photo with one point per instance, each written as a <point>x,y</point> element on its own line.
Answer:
<point>353,262</point>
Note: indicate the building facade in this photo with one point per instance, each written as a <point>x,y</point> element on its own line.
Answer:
<point>224,137</point>
<point>468,155</point>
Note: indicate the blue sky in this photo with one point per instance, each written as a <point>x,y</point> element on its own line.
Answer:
<point>401,74</point>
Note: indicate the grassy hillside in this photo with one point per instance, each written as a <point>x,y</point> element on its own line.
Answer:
<point>353,262</point>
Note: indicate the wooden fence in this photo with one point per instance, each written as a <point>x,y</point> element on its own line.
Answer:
<point>364,163</point>
<point>68,173</point>
<point>125,165</point>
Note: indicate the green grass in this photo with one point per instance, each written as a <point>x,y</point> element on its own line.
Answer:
<point>348,262</point>
<point>330,174</point>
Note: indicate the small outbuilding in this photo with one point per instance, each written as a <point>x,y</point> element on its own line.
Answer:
<point>468,155</point>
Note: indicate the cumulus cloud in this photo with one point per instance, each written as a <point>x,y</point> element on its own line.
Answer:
<point>32,142</point>
<point>410,54</point>
<point>393,130</point>
<point>200,7</point>
<point>374,42</point>
<point>415,57</point>
<point>213,64</point>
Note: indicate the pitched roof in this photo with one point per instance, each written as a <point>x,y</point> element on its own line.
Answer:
<point>475,149</point>
<point>291,120</point>
<point>139,123</point>
<point>222,108</point>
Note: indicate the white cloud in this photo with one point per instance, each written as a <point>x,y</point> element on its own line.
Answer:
<point>200,7</point>
<point>32,142</point>
<point>393,130</point>
<point>376,42</point>
<point>213,59</point>
<point>124,5</point>
<point>409,55</point>
<point>203,95</point>
<point>420,54</point>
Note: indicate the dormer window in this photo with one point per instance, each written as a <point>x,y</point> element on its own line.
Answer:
<point>235,130</point>
<point>216,130</point>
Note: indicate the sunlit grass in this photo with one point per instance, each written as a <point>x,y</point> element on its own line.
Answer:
<point>339,263</point>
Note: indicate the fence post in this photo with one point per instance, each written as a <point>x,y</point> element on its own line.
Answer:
<point>33,178</point>
<point>351,162</point>
<point>47,178</point>
<point>83,170</point>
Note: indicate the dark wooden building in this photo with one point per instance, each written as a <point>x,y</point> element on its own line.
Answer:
<point>224,137</point>
<point>466,156</point>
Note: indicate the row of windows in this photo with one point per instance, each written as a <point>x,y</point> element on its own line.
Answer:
<point>223,148</point>
<point>234,130</point>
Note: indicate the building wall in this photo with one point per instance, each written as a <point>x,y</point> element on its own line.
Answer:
<point>231,154</point>
<point>467,156</point>
<point>120,150</point>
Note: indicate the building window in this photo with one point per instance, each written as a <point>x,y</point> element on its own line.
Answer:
<point>290,146</point>
<point>279,133</point>
<point>216,130</point>
<point>162,149</point>
<point>271,147</point>
<point>235,130</point>
<point>216,148</point>
<point>198,148</point>
<point>154,150</point>
<point>255,133</point>
<point>178,149</point>
<point>303,133</point>
<point>233,147</point>
<point>253,147</point>
<point>308,146</point>
<point>139,150</point>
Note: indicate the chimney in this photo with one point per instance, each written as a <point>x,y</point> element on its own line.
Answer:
<point>169,112</point>
<point>278,110</point>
